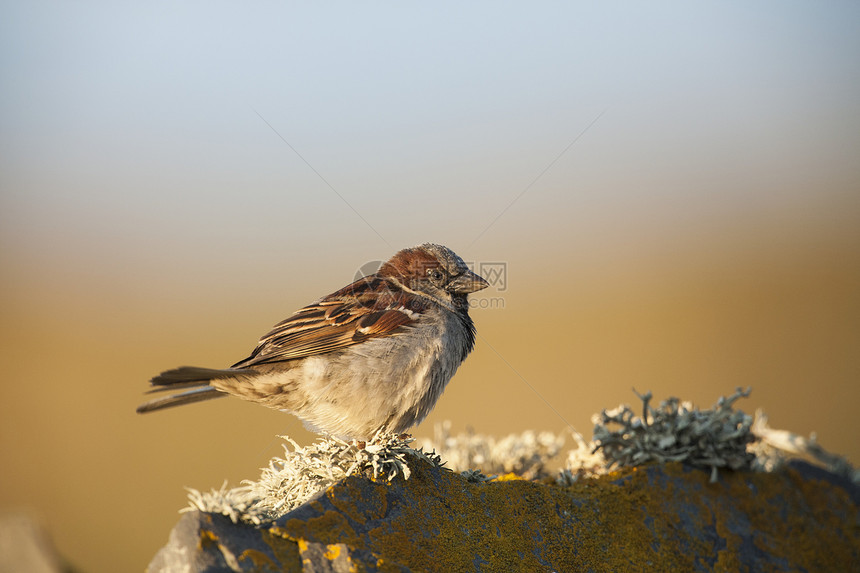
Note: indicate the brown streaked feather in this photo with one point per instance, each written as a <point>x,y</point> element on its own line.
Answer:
<point>362,310</point>
<point>306,342</point>
<point>382,323</point>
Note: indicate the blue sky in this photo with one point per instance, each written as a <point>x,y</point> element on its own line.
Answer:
<point>145,125</point>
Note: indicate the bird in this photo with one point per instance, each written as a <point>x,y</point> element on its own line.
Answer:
<point>374,356</point>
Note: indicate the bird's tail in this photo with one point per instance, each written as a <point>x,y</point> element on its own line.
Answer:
<point>196,382</point>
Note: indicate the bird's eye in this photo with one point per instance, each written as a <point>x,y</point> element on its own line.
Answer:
<point>435,274</point>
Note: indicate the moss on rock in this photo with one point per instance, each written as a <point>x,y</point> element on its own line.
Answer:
<point>658,517</point>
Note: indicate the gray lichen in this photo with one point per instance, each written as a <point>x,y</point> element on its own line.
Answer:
<point>721,437</point>
<point>304,472</point>
<point>526,454</point>
<point>676,431</point>
<point>583,461</point>
<point>773,448</point>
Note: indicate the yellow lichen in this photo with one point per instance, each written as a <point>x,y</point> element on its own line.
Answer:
<point>207,538</point>
<point>622,522</point>
<point>373,507</point>
<point>330,527</point>
<point>260,560</point>
<point>507,477</point>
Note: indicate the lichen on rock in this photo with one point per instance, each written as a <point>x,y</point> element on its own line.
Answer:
<point>677,431</point>
<point>527,454</point>
<point>305,471</point>
<point>721,437</point>
<point>630,499</point>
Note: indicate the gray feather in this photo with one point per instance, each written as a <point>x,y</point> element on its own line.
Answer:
<point>193,377</point>
<point>186,376</point>
<point>189,397</point>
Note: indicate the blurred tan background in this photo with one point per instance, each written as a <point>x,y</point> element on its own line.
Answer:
<point>702,232</point>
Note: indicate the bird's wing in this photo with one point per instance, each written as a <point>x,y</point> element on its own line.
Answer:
<point>368,308</point>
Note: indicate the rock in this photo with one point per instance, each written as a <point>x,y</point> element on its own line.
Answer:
<point>25,545</point>
<point>659,517</point>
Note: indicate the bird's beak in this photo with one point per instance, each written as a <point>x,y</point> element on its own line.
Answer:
<point>467,282</point>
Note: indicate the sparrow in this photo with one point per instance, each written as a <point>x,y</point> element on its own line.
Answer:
<point>374,355</point>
